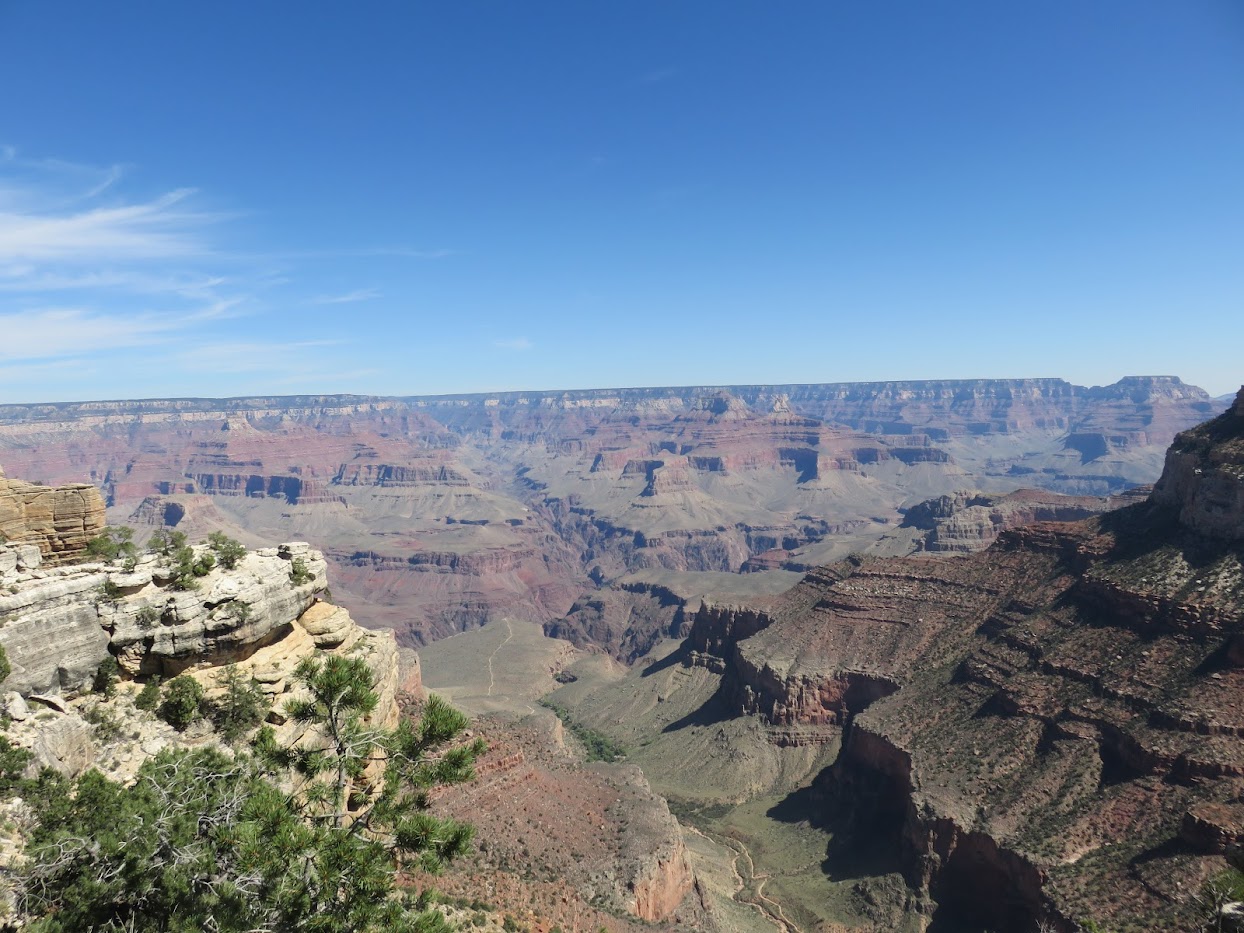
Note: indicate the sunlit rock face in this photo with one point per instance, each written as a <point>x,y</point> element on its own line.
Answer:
<point>1204,476</point>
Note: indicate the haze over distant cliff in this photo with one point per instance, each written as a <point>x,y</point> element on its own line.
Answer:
<point>439,512</point>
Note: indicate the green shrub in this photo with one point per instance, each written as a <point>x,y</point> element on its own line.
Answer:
<point>110,592</point>
<point>241,707</point>
<point>5,667</point>
<point>228,551</point>
<point>299,573</point>
<point>13,761</point>
<point>149,696</point>
<point>113,543</point>
<point>183,702</point>
<point>148,616</point>
<point>166,543</point>
<point>106,722</point>
<point>106,675</point>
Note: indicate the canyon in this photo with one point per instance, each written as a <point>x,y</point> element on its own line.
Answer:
<point>869,648</point>
<point>1049,731</point>
<point>439,514</point>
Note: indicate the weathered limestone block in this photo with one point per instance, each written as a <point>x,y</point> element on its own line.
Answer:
<point>50,629</point>
<point>67,744</point>
<point>231,615</point>
<point>59,520</point>
<point>329,625</point>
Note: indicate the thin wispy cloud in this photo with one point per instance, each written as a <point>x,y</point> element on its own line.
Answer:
<point>156,229</point>
<point>657,75</point>
<point>362,294</point>
<point>361,252</point>
<point>107,294</point>
<point>86,271</point>
<point>514,343</point>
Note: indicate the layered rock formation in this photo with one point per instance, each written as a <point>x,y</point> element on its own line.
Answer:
<point>967,521</point>
<point>1051,730</point>
<point>57,625</point>
<point>439,514</point>
<point>262,617</point>
<point>58,520</point>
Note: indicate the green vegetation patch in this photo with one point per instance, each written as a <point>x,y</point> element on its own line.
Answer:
<point>599,746</point>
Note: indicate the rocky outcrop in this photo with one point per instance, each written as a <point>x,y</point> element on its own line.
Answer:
<point>58,624</point>
<point>965,521</point>
<point>50,626</point>
<point>661,881</point>
<point>59,520</point>
<point>1204,476</point>
<point>156,628</point>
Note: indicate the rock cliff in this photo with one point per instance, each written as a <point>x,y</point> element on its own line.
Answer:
<point>58,520</point>
<point>1204,476</point>
<point>58,624</point>
<point>1048,731</point>
<point>965,521</point>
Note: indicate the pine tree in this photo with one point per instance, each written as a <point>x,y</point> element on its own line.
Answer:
<point>304,836</point>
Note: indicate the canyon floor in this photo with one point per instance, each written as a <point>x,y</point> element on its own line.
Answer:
<point>760,861</point>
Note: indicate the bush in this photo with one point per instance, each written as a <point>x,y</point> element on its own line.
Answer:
<point>204,840</point>
<point>299,573</point>
<point>183,702</point>
<point>106,722</point>
<point>241,707</point>
<point>228,551</point>
<point>106,675</point>
<point>5,667</point>
<point>112,544</point>
<point>166,543</point>
<point>149,696</point>
<point>13,761</point>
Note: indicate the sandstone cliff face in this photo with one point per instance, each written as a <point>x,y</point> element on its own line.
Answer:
<point>49,622</point>
<point>59,520</point>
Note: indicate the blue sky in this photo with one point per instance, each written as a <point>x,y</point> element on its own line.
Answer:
<point>400,198</point>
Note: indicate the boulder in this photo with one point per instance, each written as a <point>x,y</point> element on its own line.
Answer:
<point>329,625</point>
<point>66,745</point>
